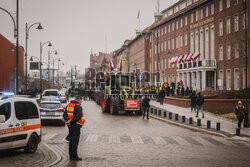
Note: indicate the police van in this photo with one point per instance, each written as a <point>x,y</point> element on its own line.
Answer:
<point>20,124</point>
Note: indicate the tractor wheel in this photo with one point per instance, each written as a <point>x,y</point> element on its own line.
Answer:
<point>114,106</point>
<point>105,104</point>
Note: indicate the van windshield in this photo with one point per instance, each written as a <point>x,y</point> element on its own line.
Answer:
<point>51,93</point>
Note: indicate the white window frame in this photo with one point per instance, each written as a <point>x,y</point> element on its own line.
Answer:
<point>201,14</point>
<point>185,20</point>
<point>181,23</point>
<point>185,38</point>
<point>220,5</point>
<point>236,79</point>
<point>169,28</point>
<point>228,3</point>
<point>212,9</point>
<point>221,52</point>
<point>169,44</point>
<point>173,26</point>
<point>192,17</point>
<point>196,15</point>
<point>221,78</point>
<point>207,11</point>
<point>177,25</point>
<point>220,27</point>
<point>228,51</point>
<point>228,79</point>
<point>228,25</point>
<point>172,43</point>
<point>236,50</point>
<point>176,42</point>
<point>181,38</point>
<point>236,23</point>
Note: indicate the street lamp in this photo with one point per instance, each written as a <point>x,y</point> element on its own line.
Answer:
<point>41,49</point>
<point>58,72</point>
<point>57,59</point>
<point>16,35</point>
<point>49,53</point>
<point>26,49</point>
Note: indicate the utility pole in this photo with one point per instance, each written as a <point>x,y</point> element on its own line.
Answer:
<point>17,49</point>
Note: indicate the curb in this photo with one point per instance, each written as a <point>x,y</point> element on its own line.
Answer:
<point>189,127</point>
<point>58,157</point>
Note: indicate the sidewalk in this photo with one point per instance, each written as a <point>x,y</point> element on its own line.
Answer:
<point>227,127</point>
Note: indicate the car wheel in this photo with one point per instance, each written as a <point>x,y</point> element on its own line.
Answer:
<point>32,144</point>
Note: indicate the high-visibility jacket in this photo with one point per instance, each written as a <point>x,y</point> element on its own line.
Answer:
<point>70,113</point>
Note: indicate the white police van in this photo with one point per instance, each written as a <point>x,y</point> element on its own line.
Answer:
<point>20,124</point>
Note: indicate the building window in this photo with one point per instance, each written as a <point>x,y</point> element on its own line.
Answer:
<point>186,40</point>
<point>201,44</point>
<point>172,26</point>
<point>221,27</point>
<point>165,63</point>
<point>192,42</point>
<point>221,52</point>
<point>228,26</point>
<point>183,5</point>
<point>212,9</point>
<point>220,5</point>
<point>196,41</point>
<point>207,11</point>
<point>207,43</point>
<point>173,78</point>
<point>177,42</point>
<point>220,82</point>
<point>169,63</point>
<point>169,44</point>
<point>228,51</point>
<point>196,15</point>
<point>212,43</point>
<point>155,49</point>
<point>159,32</point>
<point>236,23</point>
<point>189,2</point>
<point>172,43</point>
<point>181,23</point>
<point>236,2</point>
<point>192,18</point>
<point>201,13</point>
<point>236,79</point>
<point>236,50</point>
<point>186,20</point>
<point>176,9</point>
<point>177,25</point>
<point>228,80</point>
<point>181,38</point>
<point>169,29</point>
<point>162,47</point>
<point>162,31</point>
<point>165,29</point>
<point>155,65</point>
<point>162,64</point>
<point>165,43</point>
<point>228,3</point>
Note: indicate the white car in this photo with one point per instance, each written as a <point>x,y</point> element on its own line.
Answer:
<point>50,92</point>
<point>20,124</point>
<point>52,110</point>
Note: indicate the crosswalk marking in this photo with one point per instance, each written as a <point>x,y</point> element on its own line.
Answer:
<point>158,140</point>
<point>180,140</point>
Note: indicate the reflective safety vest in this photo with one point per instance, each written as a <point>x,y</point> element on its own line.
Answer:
<point>70,111</point>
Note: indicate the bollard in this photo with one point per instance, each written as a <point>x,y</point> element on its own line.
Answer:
<point>190,120</point>
<point>155,111</point>
<point>152,110</point>
<point>183,119</point>
<point>176,117</point>
<point>170,115</point>
<point>208,124</point>
<point>218,126</point>
<point>165,114</point>
<point>159,112</point>
<point>237,131</point>
<point>198,122</point>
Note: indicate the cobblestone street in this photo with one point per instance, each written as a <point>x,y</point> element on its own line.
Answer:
<point>128,140</point>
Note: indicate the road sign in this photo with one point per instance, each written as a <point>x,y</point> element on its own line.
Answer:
<point>141,77</point>
<point>34,66</point>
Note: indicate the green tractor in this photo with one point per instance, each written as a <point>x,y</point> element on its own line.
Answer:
<point>118,95</point>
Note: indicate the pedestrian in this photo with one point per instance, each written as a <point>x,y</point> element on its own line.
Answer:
<point>74,118</point>
<point>199,104</point>
<point>146,105</point>
<point>182,90</point>
<point>187,91</point>
<point>193,98</point>
<point>240,113</point>
<point>161,96</point>
<point>167,90</point>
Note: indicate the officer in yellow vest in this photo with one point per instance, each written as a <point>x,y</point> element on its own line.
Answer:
<point>74,118</point>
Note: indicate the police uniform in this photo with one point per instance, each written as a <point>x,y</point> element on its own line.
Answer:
<point>74,114</point>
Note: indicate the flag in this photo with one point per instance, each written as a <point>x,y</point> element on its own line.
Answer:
<point>196,55</point>
<point>138,15</point>
<point>176,59</point>
<point>172,60</point>
<point>190,56</point>
<point>185,58</point>
<point>180,59</point>
<point>111,64</point>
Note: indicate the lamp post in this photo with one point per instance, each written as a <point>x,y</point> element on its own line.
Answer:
<point>49,53</point>
<point>26,49</point>
<point>41,49</point>
<point>16,35</point>
<point>57,59</point>
<point>246,121</point>
<point>58,72</point>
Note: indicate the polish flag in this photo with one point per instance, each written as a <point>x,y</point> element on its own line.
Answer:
<point>185,58</point>
<point>196,55</point>
<point>176,59</point>
<point>111,63</point>
<point>190,56</point>
<point>180,59</point>
<point>172,60</point>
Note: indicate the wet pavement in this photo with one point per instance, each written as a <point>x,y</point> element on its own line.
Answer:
<point>128,140</point>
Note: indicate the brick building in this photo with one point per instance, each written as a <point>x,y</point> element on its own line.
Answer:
<point>101,61</point>
<point>8,65</point>
<point>213,28</point>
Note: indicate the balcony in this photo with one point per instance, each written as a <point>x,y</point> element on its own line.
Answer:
<point>198,64</point>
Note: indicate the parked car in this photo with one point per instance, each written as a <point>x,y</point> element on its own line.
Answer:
<point>20,124</point>
<point>50,92</point>
<point>52,110</point>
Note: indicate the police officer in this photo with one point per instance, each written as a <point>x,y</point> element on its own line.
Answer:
<point>74,118</point>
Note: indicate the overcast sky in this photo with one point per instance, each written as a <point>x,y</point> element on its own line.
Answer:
<point>77,27</point>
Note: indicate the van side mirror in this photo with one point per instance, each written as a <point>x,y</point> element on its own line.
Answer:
<point>2,118</point>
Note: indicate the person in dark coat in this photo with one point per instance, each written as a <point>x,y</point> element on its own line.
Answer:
<point>187,91</point>
<point>168,90</point>
<point>182,90</point>
<point>240,113</point>
<point>161,96</point>
<point>193,98</point>
<point>146,106</point>
<point>199,105</point>
<point>74,122</point>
